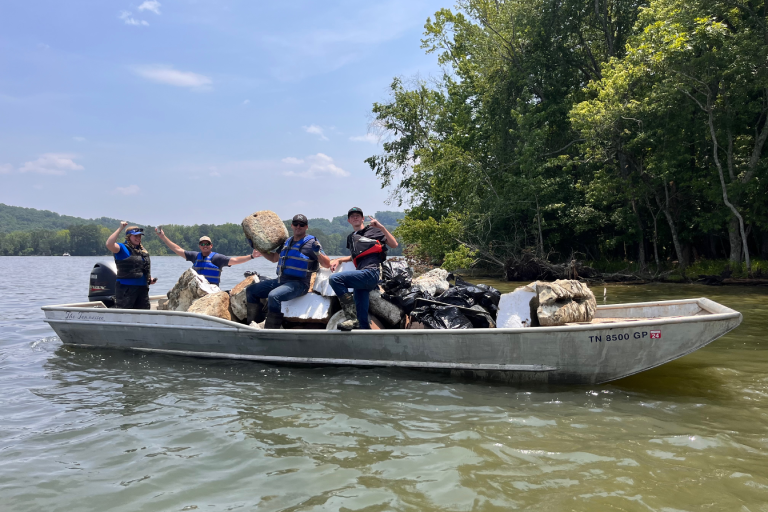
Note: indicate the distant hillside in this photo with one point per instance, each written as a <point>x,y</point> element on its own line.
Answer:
<point>16,218</point>
<point>339,225</point>
<point>29,232</point>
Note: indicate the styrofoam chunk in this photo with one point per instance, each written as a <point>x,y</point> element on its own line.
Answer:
<point>322,286</point>
<point>515,308</point>
<point>309,307</point>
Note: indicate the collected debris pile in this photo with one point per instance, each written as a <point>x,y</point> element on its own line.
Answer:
<point>547,304</point>
<point>190,287</point>
<point>429,301</point>
<point>432,302</point>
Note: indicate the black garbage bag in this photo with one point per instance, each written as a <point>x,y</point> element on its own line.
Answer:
<point>406,299</point>
<point>394,268</point>
<point>481,294</point>
<point>458,296</point>
<point>479,317</point>
<point>441,317</point>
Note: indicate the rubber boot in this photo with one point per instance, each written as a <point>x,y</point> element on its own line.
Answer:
<point>347,302</point>
<point>255,313</point>
<point>274,320</point>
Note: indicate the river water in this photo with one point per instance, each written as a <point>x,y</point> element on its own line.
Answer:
<point>95,430</point>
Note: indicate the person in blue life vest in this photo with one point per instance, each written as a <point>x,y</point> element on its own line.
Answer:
<point>134,270</point>
<point>368,248</point>
<point>207,263</point>
<point>297,260</point>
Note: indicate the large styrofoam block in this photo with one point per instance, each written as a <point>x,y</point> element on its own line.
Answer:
<point>564,301</point>
<point>265,230</point>
<point>433,282</point>
<point>322,286</point>
<point>307,308</point>
<point>515,308</point>
<point>190,287</point>
<point>237,302</point>
<point>215,304</point>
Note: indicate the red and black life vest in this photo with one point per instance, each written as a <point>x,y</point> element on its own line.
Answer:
<point>364,246</point>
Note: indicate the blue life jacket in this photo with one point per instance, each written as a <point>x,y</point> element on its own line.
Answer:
<point>207,269</point>
<point>293,262</point>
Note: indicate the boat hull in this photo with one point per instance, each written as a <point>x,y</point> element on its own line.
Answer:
<point>572,354</point>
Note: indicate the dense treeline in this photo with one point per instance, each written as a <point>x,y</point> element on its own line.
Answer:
<point>17,218</point>
<point>617,129</point>
<point>89,239</point>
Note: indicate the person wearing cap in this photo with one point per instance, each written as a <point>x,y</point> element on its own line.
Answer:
<point>368,248</point>
<point>133,269</point>
<point>207,263</point>
<point>296,262</point>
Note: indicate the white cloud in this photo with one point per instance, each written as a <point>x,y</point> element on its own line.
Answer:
<point>52,163</point>
<point>130,190</point>
<point>5,168</point>
<point>214,172</point>
<point>130,20</point>
<point>78,139</point>
<point>314,129</point>
<point>169,76</point>
<point>319,165</point>
<point>368,137</point>
<point>292,160</point>
<point>150,5</point>
<point>43,46</point>
<point>246,102</point>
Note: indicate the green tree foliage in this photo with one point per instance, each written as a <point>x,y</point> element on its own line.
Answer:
<point>88,239</point>
<point>564,126</point>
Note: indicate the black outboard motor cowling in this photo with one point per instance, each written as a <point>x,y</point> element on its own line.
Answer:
<point>102,284</point>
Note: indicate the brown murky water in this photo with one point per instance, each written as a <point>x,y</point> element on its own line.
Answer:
<point>108,430</point>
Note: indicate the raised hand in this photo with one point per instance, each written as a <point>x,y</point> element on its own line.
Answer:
<point>123,224</point>
<point>159,231</point>
<point>255,253</point>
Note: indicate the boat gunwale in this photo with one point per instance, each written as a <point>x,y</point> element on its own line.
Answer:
<point>708,305</point>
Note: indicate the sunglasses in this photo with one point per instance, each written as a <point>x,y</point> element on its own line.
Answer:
<point>205,244</point>
<point>301,224</point>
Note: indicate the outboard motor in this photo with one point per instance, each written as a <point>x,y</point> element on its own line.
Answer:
<point>102,284</point>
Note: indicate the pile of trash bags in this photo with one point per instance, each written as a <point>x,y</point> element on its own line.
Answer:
<point>462,306</point>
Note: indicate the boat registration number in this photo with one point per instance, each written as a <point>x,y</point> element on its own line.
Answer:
<point>638,335</point>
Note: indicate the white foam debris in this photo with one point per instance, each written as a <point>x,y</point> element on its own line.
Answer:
<point>515,308</point>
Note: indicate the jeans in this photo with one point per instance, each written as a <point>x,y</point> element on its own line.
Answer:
<point>131,297</point>
<point>362,282</point>
<point>275,292</point>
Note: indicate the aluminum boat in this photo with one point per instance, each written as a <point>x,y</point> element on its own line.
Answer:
<point>622,340</point>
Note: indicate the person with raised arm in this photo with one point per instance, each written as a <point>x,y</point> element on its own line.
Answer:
<point>368,247</point>
<point>298,259</point>
<point>134,269</point>
<point>207,263</point>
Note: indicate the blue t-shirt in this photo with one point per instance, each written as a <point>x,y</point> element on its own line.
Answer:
<point>123,254</point>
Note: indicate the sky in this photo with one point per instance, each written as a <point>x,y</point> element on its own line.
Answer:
<point>200,111</point>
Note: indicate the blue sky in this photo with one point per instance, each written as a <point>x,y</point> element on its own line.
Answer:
<point>199,111</point>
